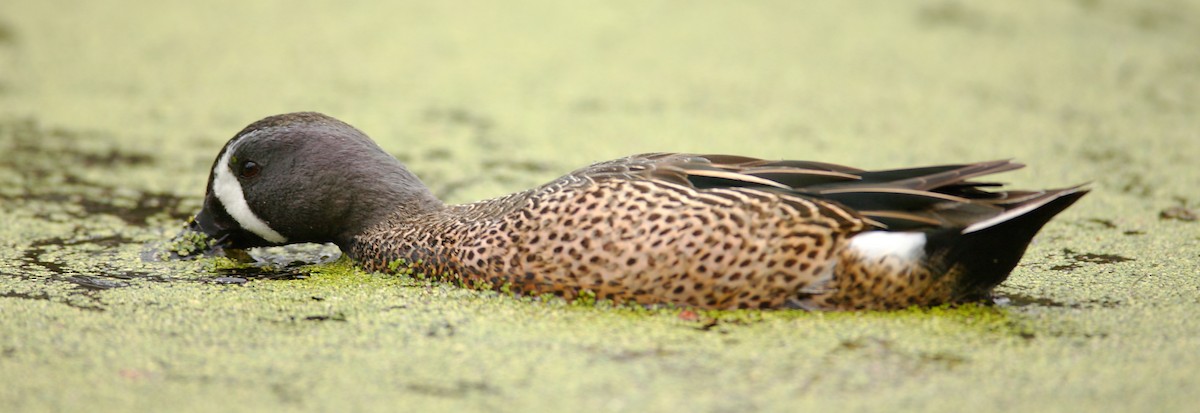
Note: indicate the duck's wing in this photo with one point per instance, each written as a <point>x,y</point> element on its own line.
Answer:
<point>718,171</point>
<point>941,196</point>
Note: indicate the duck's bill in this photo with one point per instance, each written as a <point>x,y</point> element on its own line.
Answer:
<point>204,237</point>
<point>205,223</point>
<point>207,234</point>
<point>223,231</point>
<point>194,242</point>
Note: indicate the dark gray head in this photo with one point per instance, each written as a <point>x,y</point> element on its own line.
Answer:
<point>304,177</point>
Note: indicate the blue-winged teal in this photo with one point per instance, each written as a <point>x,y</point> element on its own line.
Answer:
<point>709,231</point>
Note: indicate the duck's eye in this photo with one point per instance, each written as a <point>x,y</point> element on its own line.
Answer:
<point>250,169</point>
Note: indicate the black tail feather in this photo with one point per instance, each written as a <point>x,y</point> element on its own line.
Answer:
<point>983,258</point>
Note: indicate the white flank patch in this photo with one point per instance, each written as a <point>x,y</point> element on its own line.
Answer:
<point>229,191</point>
<point>908,246</point>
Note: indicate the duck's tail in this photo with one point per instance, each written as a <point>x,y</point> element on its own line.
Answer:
<point>929,266</point>
<point>980,256</point>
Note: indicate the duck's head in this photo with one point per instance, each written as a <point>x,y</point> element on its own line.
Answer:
<point>303,177</point>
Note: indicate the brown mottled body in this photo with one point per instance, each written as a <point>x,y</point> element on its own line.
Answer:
<point>625,240</point>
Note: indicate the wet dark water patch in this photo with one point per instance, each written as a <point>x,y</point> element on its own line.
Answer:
<point>106,241</point>
<point>1179,214</point>
<point>326,317</point>
<point>458,390</point>
<point>1018,300</point>
<point>1077,260</point>
<point>88,303</point>
<point>91,265</point>
<point>94,283</point>
<point>242,275</point>
<point>52,180</point>
<point>97,276</point>
<point>145,206</point>
<point>132,207</point>
<point>26,296</point>
<point>1021,300</point>
<point>40,153</point>
<point>57,260</point>
<point>53,166</point>
<point>33,255</point>
<point>1106,223</point>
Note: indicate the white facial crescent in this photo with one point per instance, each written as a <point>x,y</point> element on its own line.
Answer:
<point>229,191</point>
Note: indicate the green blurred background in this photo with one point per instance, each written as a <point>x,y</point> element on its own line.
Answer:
<point>111,113</point>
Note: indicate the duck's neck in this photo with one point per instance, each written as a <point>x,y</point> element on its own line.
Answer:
<point>439,240</point>
<point>395,192</point>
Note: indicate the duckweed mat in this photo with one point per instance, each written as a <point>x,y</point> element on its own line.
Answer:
<point>111,113</point>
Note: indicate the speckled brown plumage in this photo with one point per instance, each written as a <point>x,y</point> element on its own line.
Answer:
<point>639,229</point>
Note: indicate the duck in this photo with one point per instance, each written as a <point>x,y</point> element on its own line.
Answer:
<point>655,229</point>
